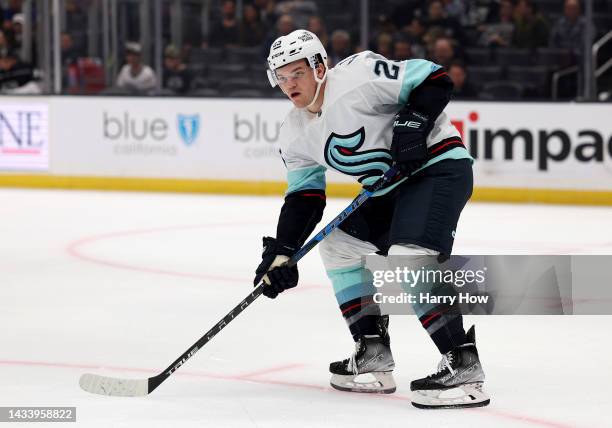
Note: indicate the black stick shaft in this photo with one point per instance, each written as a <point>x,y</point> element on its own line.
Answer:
<point>155,381</point>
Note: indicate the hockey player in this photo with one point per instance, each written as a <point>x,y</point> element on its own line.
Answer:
<point>359,118</point>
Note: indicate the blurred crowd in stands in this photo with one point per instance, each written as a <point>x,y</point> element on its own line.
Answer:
<point>16,76</point>
<point>493,49</point>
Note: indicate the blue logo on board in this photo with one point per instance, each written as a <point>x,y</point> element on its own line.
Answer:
<point>188,127</point>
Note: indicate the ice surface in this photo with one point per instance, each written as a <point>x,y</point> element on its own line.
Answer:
<point>120,284</point>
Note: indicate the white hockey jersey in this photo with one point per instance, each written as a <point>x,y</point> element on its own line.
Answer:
<point>353,132</point>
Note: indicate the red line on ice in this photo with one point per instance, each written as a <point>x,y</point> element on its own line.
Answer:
<point>75,250</point>
<point>269,370</point>
<point>247,378</point>
<point>527,419</point>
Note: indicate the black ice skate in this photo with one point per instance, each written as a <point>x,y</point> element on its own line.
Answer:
<point>370,367</point>
<point>457,383</point>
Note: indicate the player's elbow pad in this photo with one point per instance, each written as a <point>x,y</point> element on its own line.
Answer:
<point>299,215</point>
<point>431,97</point>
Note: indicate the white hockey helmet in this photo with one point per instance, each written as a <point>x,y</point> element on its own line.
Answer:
<point>299,44</point>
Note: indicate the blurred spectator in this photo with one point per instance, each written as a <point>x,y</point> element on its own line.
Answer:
<point>415,32</point>
<point>402,49</point>
<point>384,25</point>
<point>5,45</point>
<point>17,30</point>
<point>13,8</point>
<point>568,31</point>
<point>225,31</point>
<point>300,11</point>
<point>531,30</point>
<point>436,12</point>
<point>284,26</point>
<point>456,9</point>
<point>69,53</point>
<point>416,29</point>
<point>384,45</point>
<point>430,38</point>
<point>76,25</point>
<point>16,77</point>
<point>70,70</point>
<point>135,75</point>
<point>499,33</point>
<point>340,47</point>
<point>316,26</point>
<point>438,17</point>
<point>265,9</point>
<point>252,30</point>
<point>176,75</point>
<point>462,87</point>
<point>443,52</point>
<point>390,24</point>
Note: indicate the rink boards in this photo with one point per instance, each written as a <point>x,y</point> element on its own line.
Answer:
<point>541,152</point>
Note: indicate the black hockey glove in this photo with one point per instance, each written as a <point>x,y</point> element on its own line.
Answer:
<point>273,269</point>
<point>409,144</point>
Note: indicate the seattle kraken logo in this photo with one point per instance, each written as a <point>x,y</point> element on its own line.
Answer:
<point>188,127</point>
<point>341,153</point>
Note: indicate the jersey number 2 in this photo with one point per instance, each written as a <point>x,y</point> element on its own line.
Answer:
<point>389,74</point>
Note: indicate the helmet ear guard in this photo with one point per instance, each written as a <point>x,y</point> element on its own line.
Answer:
<point>314,62</point>
<point>272,78</point>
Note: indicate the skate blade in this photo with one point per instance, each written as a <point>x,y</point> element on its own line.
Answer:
<point>468,395</point>
<point>374,382</point>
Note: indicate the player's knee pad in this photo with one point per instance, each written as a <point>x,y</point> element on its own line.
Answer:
<point>339,250</point>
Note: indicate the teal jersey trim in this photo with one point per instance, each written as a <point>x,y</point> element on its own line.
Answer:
<point>351,283</point>
<point>345,277</point>
<point>415,73</point>
<point>306,178</point>
<point>355,291</point>
<point>456,153</point>
<point>343,270</point>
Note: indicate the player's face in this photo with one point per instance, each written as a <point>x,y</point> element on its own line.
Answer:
<point>297,81</point>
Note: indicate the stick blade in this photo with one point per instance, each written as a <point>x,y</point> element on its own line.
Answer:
<point>104,385</point>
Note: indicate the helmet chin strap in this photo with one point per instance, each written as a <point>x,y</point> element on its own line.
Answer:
<point>319,83</point>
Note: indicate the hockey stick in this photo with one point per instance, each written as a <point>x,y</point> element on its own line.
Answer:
<point>139,387</point>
